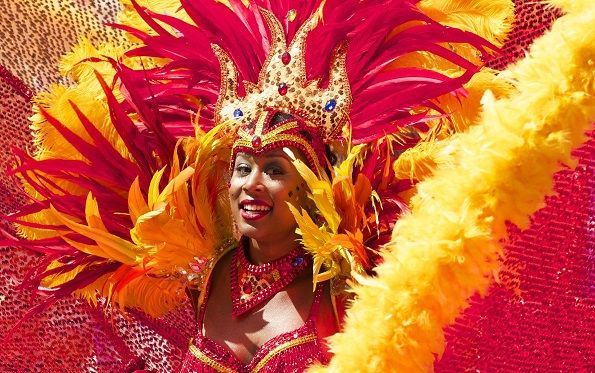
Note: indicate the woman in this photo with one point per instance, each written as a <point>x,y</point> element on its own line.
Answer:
<point>247,317</point>
<point>143,213</point>
<point>144,250</point>
<point>258,310</point>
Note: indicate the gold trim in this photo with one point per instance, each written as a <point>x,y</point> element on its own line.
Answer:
<point>262,118</point>
<point>277,130</point>
<point>207,360</point>
<point>278,137</point>
<point>304,97</point>
<point>282,347</point>
<point>307,146</point>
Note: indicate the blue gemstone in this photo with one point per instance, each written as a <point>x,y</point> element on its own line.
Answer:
<point>297,261</point>
<point>330,105</point>
<point>237,114</point>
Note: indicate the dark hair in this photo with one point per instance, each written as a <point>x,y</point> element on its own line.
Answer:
<point>306,135</point>
<point>278,118</point>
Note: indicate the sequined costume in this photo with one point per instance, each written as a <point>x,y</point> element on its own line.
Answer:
<point>125,232</point>
<point>292,351</point>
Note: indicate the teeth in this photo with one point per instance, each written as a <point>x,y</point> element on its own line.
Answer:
<point>256,208</point>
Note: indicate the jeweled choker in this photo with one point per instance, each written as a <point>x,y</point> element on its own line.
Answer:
<point>252,285</point>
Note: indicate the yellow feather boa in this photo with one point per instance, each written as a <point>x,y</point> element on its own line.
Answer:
<point>448,248</point>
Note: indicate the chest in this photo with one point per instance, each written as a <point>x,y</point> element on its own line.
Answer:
<point>286,311</point>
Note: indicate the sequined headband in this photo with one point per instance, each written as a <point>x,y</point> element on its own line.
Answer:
<point>267,134</point>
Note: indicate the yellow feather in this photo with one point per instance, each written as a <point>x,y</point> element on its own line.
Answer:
<point>321,193</point>
<point>116,247</point>
<point>137,205</point>
<point>86,94</point>
<point>175,184</point>
<point>331,243</point>
<point>183,222</point>
<point>418,162</point>
<point>315,240</point>
<point>128,16</point>
<point>465,111</point>
<point>153,194</point>
<point>58,279</point>
<point>448,248</point>
<point>491,19</point>
<point>155,296</point>
<point>86,248</point>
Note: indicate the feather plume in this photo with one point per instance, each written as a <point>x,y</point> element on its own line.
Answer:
<point>489,19</point>
<point>96,162</point>
<point>129,16</point>
<point>418,162</point>
<point>337,245</point>
<point>123,233</point>
<point>448,247</point>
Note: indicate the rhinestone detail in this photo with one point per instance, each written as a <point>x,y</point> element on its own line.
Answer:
<point>251,285</point>
<point>286,58</point>
<point>330,105</point>
<point>256,142</point>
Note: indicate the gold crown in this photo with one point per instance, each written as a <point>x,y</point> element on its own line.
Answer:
<point>283,86</point>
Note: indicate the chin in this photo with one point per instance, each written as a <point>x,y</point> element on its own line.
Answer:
<point>264,232</point>
<point>251,231</point>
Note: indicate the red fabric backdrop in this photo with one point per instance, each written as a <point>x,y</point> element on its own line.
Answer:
<point>547,327</point>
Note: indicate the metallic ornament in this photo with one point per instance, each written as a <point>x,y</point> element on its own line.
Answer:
<point>256,142</point>
<point>286,58</point>
<point>330,105</point>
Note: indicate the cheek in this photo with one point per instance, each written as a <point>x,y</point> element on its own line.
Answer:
<point>234,191</point>
<point>235,187</point>
<point>297,193</point>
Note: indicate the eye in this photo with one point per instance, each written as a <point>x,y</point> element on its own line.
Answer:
<point>274,170</point>
<point>243,169</point>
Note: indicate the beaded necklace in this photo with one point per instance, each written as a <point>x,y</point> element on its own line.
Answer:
<point>252,285</point>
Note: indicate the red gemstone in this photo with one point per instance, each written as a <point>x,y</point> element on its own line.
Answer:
<point>256,141</point>
<point>283,89</point>
<point>247,288</point>
<point>285,58</point>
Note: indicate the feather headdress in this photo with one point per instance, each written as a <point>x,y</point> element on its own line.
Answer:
<point>110,213</point>
<point>128,182</point>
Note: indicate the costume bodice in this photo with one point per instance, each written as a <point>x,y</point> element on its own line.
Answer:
<point>292,351</point>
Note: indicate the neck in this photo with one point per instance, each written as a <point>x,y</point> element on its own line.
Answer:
<point>266,251</point>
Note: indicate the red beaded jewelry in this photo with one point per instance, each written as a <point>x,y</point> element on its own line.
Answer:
<point>252,285</point>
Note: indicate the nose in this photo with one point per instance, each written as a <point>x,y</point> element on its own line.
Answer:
<point>253,181</point>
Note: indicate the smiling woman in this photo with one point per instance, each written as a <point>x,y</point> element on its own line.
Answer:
<point>260,188</point>
<point>259,309</point>
<point>208,170</point>
<point>144,215</point>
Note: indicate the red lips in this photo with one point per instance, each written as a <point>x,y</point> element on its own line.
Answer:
<point>254,209</point>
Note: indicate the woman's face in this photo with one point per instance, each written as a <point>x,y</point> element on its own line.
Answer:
<point>260,188</point>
